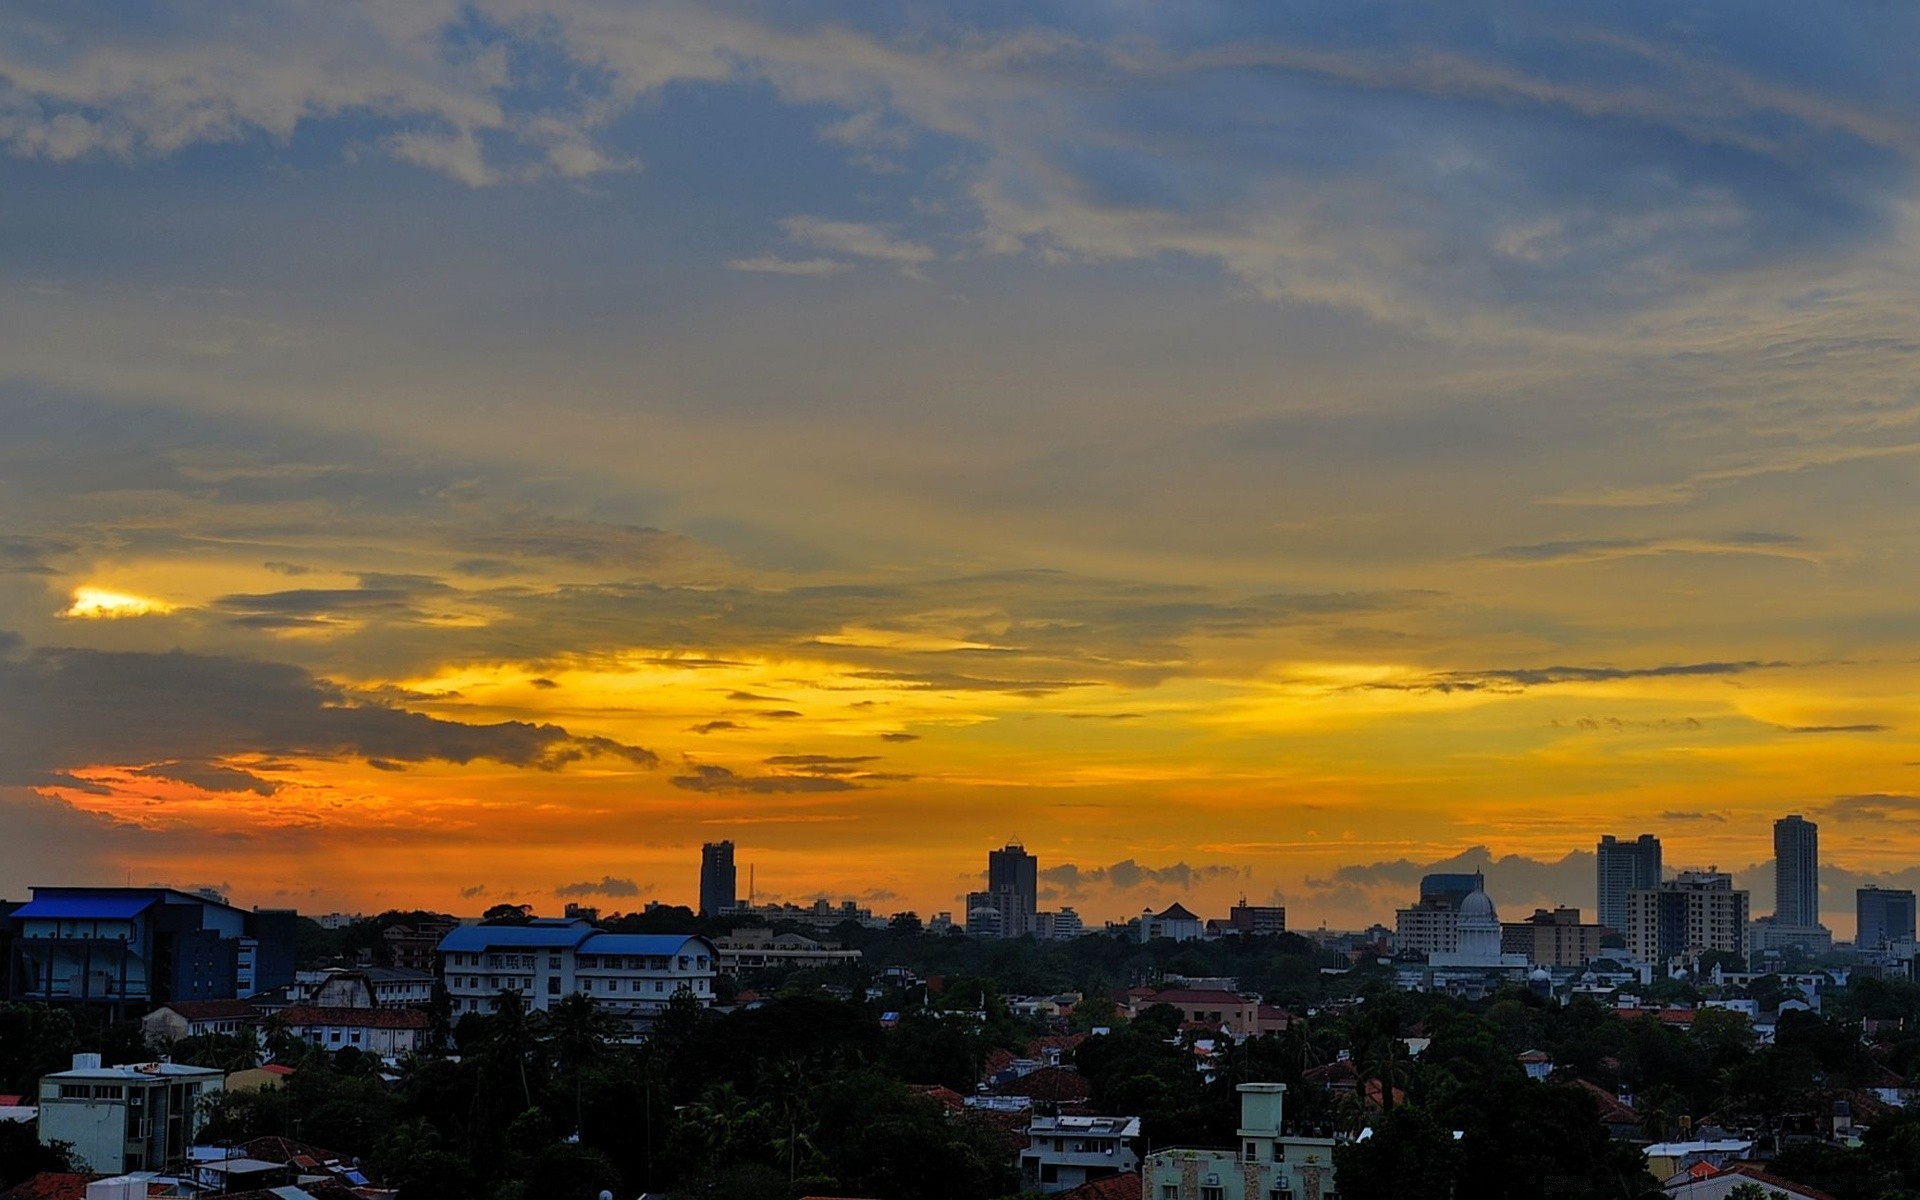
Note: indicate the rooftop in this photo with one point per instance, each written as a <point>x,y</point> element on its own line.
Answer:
<point>139,1072</point>
<point>357,1018</point>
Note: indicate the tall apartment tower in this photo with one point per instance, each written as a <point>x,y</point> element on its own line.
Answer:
<point>719,884</point>
<point>1623,867</point>
<point>1885,915</point>
<point>1796,872</point>
<point>1012,868</point>
<point>1692,912</point>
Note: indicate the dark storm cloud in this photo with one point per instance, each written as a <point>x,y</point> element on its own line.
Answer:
<point>1873,807</point>
<point>721,781</point>
<point>607,886</point>
<point>1071,879</point>
<point>23,555</point>
<point>1515,679</point>
<point>64,708</point>
<point>1515,880</point>
<point>211,777</point>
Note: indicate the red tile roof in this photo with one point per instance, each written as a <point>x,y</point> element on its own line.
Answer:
<point>1113,1187</point>
<point>1749,1171</point>
<point>949,1099</point>
<point>1059,1041</point>
<point>1612,1112</point>
<point>356,1018</point>
<point>51,1185</point>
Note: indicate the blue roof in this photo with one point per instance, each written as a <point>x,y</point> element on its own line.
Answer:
<point>80,906</point>
<point>469,938</point>
<point>658,945</point>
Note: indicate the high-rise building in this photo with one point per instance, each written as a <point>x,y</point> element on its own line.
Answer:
<point>1553,938</point>
<point>1693,912</point>
<point>719,883</point>
<point>1012,868</point>
<point>1885,915</point>
<point>1432,925</point>
<point>1796,872</point>
<point>1619,868</point>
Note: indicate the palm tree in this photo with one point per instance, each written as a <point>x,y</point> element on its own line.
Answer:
<point>577,1034</point>
<point>788,1079</point>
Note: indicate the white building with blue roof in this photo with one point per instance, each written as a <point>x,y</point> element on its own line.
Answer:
<point>631,976</point>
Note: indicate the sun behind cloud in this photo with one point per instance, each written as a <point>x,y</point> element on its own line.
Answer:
<point>100,604</point>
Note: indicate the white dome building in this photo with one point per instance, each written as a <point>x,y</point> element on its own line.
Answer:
<point>1479,943</point>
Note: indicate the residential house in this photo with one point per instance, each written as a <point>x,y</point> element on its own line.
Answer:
<point>197,1018</point>
<point>1270,1163</point>
<point>1241,1016</point>
<point>388,1032</point>
<point>373,987</point>
<point>128,1118</point>
<point>1066,1152</point>
<point>1705,1182</point>
<point>1667,1159</point>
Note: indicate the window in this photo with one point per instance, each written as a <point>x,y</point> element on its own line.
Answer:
<point>75,1091</point>
<point>1251,1153</point>
<point>553,962</point>
<point>1169,1191</point>
<point>1213,1193</point>
<point>553,985</point>
<point>354,1037</point>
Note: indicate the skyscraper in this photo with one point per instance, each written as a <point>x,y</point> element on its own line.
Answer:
<point>1013,868</point>
<point>1796,872</point>
<point>1885,915</point>
<point>718,882</point>
<point>1623,867</point>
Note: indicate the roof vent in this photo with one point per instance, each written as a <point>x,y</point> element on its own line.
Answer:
<point>86,1062</point>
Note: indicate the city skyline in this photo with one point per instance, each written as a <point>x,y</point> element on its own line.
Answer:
<point>461,454</point>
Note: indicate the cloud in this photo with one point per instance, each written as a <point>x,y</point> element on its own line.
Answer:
<point>1717,818</point>
<point>1515,679</point>
<point>771,264</point>
<point>1837,728</point>
<point>24,555</point>
<point>1127,875</point>
<point>607,886</point>
<point>716,726</point>
<point>1516,882</point>
<point>1873,807</point>
<point>211,777</point>
<point>897,736</point>
<point>877,242</point>
<point>721,781</point>
<point>63,708</point>
<point>1777,545</point>
<point>473,892</point>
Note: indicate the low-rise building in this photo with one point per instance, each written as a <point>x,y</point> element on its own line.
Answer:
<point>1065,1152</point>
<point>1270,1162</point>
<point>373,987</point>
<point>1553,938</point>
<point>137,1117</point>
<point>762,949</point>
<point>197,1018</point>
<point>387,1032</point>
<point>1175,924</point>
<point>630,976</point>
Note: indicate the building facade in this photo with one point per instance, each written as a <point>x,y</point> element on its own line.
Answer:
<point>1796,871</point>
<point>1270,1163</point>
<point>1256,920</point>
<point>763,949</point>
<point>390,1033</point>
<point>1883,916</point>
<point>1619,869</point>
<point>1065,1152</point>
<point>1011,867</point>
<point>138,1117</point>
<point>1691,913</point>
<point>1553,938</point>
<point>719,881</point>
<point>629,976</point>
<point>128,949</point>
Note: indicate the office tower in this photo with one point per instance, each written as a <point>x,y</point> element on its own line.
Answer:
<point>1695,911</point>
<point>1885,915</point>
<point>1013,869</point>
<point>1619,868</point>
<point>1432,925</point>
<point>718,882</point>
<point>1796,872</point>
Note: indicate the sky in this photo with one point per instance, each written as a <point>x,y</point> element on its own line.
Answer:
<point>464,453</point>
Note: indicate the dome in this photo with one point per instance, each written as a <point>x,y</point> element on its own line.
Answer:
<point>1478,906</point>
<point>1540,975</point>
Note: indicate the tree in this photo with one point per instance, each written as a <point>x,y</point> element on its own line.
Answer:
<point>1409,1154</point>
<point>907,924</point>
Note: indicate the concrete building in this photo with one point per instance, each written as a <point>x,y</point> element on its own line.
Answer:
<point>128,949</point>
<point>719,881</point>
<point>1619,869</point>
<point>197,1018</point>
<point>416,947</point>
<point>1770,933</point>
<point>138,1117</point>
<point>1174,923</point>
<point>630,976</point>
<point>1269,1162</point>
<point>1432,925</point>
<point>372,987</point>
<point>1061,926</point>
<point>390,1033</point>
<point>1553,938</point>
<point>1477,937</point>
<point>1011,867</point>
<point>1242,1016</point>
<point>1883,916</point>
<point>1256,919</point>
<point>1796,872</point>
<point>1695,911</point>
<point>763,949</point>
<point>1065,1152</point>
<point>1001,913</point>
